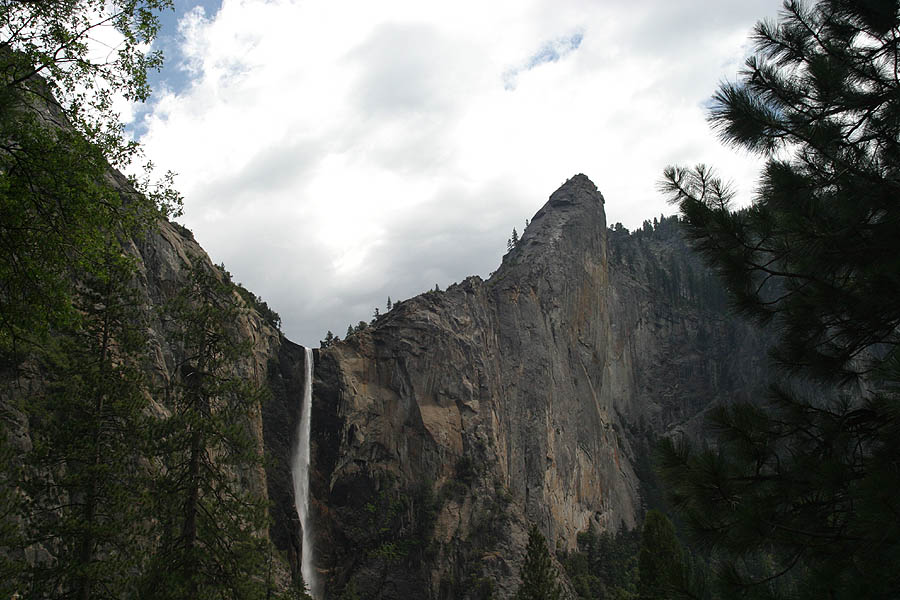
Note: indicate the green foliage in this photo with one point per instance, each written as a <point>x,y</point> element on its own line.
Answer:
<point>605,565</point>
<point>513,240</point>
<point>11,538</point>
<point>330,339</point>
<point>389,529</point>
<point>269,316</point>
<point>794,497</point>
<point>210,544</point>
<point>539,578</point>
<point>661,558</point>
<point>54,40</point>
<point>58,204</point>
<point>107,501</point>
<point>76,491</point>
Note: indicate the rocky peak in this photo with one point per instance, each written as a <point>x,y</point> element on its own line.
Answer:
<point>571,223</point>
<point>578,190</point>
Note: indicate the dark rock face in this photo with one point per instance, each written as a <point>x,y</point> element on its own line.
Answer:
<point>281,414</point>
<point>462,416</point>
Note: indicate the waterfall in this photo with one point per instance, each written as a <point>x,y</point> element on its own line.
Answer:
<point>300,473</point>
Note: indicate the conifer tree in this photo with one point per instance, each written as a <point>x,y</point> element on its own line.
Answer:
<point>795,495</point>
<point>69,335</point>
<point>87,431</point>
<point>661,558</point>
<point>390,306</point>
<point>329,340</point>
<point>210,543</point>
<point>539,578</point>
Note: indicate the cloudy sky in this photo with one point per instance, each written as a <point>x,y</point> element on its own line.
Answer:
<point>333,153</point>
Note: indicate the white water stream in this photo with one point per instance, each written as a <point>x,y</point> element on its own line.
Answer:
<point>300,473</point>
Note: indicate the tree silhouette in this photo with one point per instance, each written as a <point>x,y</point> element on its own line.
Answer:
<point>795,492</point>
<point>539,578</point>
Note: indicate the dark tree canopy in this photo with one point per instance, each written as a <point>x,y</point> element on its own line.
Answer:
<point>538,574</point>
<point>58,201</point>
<point>661,558</point>
<point>796,497</point>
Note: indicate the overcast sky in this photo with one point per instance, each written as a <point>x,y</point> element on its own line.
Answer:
<point>334,153</point>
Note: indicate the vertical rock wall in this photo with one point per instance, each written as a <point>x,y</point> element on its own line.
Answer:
<point>460,418</point>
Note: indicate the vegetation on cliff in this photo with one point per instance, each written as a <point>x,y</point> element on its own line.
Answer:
<point>58,209</point>
<point>538,574</point>
<point>114,484</point>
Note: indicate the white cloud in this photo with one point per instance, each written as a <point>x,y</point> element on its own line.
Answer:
<point>335,153</point>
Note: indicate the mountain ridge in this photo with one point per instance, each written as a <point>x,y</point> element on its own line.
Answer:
<point>532,388</point>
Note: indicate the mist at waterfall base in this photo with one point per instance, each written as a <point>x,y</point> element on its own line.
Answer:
<point>300,474</point>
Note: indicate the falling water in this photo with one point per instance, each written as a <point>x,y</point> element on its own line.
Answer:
<point>300,473</point>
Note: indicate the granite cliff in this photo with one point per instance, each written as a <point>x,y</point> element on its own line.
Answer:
<point>460,418</point>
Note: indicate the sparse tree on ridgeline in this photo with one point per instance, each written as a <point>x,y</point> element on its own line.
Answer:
<point>513,240</point>
<point>329,340</point>
<point>800,492</point>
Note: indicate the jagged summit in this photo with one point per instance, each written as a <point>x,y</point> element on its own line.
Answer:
<point>577,192</point>
<point>578,187</point>
<point>570,221</point>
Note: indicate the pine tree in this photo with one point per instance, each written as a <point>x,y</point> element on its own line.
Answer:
<point>661,558</point>
<point>796,493</point>
<point>539,578</point>
<point>210,544</point>
<point>390,306</point>
<point>513,240</point>
<point>329,340</point>
<point>87,430</point>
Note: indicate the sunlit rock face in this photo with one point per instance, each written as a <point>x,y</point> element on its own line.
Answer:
<point>461,417</point>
